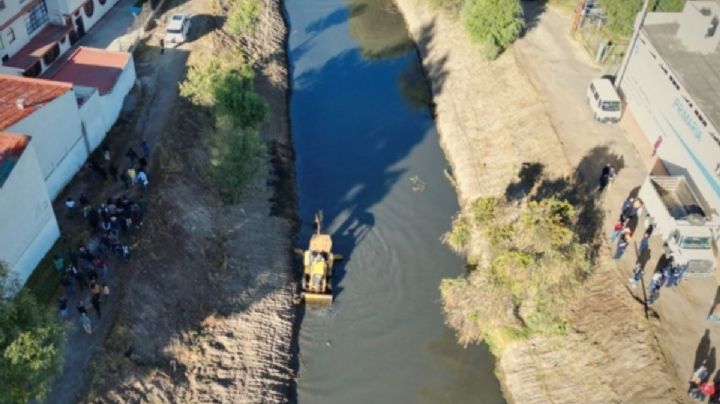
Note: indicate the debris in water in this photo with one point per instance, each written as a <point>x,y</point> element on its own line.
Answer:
<point>417,184</point>
<point>328,343</point>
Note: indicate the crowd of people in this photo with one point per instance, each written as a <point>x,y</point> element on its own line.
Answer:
<point>702,387</point>
<point>621,236</point>
<point>83,269</point>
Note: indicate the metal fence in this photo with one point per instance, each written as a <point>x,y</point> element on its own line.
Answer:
<point>137,31</point>
<point>603,48</point>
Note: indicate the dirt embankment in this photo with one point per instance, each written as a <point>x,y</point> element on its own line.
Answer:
<point>209,315</point>
<point>491,120</point>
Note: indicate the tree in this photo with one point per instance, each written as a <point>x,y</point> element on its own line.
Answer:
<point>531,273</point>
<point>30,345</point>
<point>494,24</point>
<point>621,13</point>
<point>237,158</point>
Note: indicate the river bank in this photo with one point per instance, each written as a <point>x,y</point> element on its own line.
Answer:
<point>492,118</point>
<point>210,313</point>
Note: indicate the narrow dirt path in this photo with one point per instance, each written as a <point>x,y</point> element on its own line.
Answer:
<point>208,313</point>
<point>154,97</point>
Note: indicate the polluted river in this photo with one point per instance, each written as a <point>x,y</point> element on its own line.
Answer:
<point>367,155</point>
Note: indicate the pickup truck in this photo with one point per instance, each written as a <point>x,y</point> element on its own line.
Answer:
<point>683,220</point>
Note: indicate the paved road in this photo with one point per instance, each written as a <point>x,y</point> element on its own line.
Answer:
<point>561,70</point>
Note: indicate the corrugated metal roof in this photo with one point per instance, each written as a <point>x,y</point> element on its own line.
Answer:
<point>34,93</point>
<point>90,67</point>
<point>11,148</point>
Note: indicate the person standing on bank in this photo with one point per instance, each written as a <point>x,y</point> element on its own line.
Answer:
<point>606,176</point>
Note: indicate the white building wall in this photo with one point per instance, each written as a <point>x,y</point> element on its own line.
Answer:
<point>68,6</point>
<point>57,136</point>
<point>113,101</point>
<point>29,228</point>
<point>21,36</point>
<point>99,113</point>
<point>91,113</point>
<point>689,148</point>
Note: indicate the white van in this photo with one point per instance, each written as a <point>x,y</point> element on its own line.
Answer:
<point>604,101</point>
<point>177,29</point>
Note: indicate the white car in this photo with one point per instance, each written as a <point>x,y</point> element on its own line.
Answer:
<point>604,101</point>
<point>177,28</point>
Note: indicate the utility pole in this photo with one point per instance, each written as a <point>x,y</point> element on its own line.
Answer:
<point>633,41</point>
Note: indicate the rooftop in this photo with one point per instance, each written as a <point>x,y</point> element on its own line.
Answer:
<point>11,148</point>
<point>698,73</point>
<point>21,96</point>
<point>37,47</point>
<point>92,67</point>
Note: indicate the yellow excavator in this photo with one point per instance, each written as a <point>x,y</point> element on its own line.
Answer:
<point>318,262</point>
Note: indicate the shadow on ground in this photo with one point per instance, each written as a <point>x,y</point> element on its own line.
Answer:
<point>581,189</point>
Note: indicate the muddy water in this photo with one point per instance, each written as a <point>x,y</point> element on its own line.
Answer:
<point>368,156</point>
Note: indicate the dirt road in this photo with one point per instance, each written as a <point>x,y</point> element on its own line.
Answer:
<point>205,310</point>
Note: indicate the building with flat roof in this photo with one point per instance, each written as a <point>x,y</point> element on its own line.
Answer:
<point>672,89</point>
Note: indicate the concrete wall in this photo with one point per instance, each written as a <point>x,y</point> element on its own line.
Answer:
<point>113,101</point>
<point>57,136</point>
<point>29,228</point>
<point>688,147</point>
<point>91,113</point>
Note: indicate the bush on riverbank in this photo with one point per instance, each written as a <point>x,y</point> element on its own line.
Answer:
<point>30,345</point>
<point>237,152</point>
<point>243,16</point>
<point>493,24</point>
<point>530,271</point>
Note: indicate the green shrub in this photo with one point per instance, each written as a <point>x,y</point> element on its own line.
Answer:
<point>494,24</point>
<point>237,158</point>
<point>532,272</point>
<point>243,16</point>
<point>459,236</point>
<point>200,83</point>
<point>30,345</point>
<point>213,82</point>
<point>237,99</point>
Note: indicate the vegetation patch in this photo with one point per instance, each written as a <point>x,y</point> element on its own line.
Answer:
<point>243,16</point>
<point>621,13</point>
<point>31,344</point>
<point>531,269</point>
<point>226,86</point>
<point>492,24</point>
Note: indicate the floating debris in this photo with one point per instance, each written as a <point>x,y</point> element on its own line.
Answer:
<point>417,184</point>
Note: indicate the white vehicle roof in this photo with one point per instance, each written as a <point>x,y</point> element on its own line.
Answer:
<point>176,21</point>
<point>606,90</point>
<point>695,231</point>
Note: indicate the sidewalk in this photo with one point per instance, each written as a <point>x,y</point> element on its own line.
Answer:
<point>556,66</point>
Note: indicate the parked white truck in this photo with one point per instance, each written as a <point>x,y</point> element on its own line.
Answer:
<point>683,220</point>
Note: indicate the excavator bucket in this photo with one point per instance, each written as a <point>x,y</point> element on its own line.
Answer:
<point>317,298</point>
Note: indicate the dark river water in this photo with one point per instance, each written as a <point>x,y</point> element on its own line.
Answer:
<point>368,157</point>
